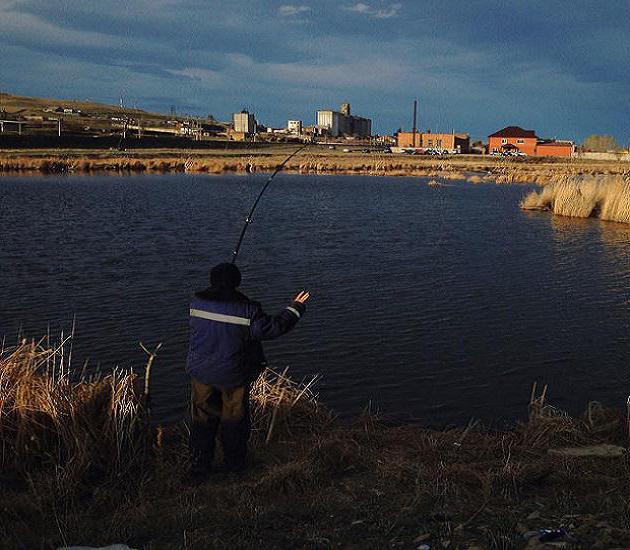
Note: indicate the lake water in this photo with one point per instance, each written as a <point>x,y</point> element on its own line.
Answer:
<point>437,303</point>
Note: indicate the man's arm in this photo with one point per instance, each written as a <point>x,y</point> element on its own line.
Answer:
<point>268,327</point>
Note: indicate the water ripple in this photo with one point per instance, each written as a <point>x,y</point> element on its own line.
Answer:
<point>436,305</point>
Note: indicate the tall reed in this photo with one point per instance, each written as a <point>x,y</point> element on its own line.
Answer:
<point>91,427</point>
<point>82,427</point>
<point>606,198</point>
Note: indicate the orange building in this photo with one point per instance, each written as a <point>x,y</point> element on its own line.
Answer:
<point>513,137</point>
<point>427,140</point>
<point>555,149</point>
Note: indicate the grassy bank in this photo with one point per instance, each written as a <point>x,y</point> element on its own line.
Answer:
<point>81,465</point>
<point>311,161</point>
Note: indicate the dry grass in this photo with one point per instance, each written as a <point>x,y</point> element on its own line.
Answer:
<point>318,484</point>
<point>91,428</point>
<point>606,198</point>
<point>311,161</point>
<point>280,407</point>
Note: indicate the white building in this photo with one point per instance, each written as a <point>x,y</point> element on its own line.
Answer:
<point>343,123</point>
<point>329,120</point>
<point>294,127</point>
<point>244,122</point>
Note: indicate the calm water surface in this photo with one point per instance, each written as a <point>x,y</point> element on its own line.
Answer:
<point>437,303</point>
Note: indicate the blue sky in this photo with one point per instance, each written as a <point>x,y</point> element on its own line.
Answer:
<point>561,67</point>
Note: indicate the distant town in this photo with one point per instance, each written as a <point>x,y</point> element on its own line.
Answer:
<point>28,121</point>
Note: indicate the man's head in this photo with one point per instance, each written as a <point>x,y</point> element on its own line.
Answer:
<point>225,276</point>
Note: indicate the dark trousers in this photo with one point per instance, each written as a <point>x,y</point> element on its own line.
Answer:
<point>224,411</point>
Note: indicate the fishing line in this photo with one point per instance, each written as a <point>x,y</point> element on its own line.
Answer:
<point>250,215</point>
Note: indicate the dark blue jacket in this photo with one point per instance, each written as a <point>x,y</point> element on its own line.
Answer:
<point>226,330</point>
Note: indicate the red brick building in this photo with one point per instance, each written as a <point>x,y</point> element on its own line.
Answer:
<point>555,149</point>
<point>429,140</point>
<point>513,137</point>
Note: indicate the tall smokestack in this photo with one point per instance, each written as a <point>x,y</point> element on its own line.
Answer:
<point>415,129</point>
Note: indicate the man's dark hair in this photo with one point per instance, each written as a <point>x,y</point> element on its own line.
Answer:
<point>225,276</point>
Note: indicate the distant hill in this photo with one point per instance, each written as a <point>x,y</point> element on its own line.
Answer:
<point>35,121</point>
<point>34,106</point>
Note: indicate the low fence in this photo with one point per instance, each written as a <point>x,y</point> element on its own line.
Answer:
<point>624,157</point>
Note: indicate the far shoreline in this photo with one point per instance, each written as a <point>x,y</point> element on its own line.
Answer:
<point>472,168</point>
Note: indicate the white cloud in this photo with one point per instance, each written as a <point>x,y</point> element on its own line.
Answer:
<point>360,8</point>
<point>19,25</point>
<point>378,13</point>
<point>292,11</point>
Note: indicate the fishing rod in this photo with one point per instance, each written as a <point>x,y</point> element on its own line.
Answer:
<point>250,215</point>
<point>153,354</point>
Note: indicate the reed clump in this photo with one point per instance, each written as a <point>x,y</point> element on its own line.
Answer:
<point>603,197</point>
<point>94,427</point>
<point>284,408</point>
<point>87,427</point>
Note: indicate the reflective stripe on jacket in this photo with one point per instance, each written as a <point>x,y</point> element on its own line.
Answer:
<point>226,330</point>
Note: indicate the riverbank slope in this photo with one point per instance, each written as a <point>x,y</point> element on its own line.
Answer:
<point>80,465</point>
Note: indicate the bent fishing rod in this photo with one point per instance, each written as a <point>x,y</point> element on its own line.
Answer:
<point>250,215</point>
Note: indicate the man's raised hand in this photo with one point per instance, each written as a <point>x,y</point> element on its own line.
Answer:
<point>302,297</point>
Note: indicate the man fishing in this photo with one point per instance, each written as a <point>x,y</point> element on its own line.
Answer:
<point>225,356</point>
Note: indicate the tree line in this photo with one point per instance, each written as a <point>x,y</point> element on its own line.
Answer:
<point>601,143</point>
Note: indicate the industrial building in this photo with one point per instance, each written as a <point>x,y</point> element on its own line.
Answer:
<point>244,122</point>
<point>343,123</point>
<point>452,142</point>
<point>294,127</point>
